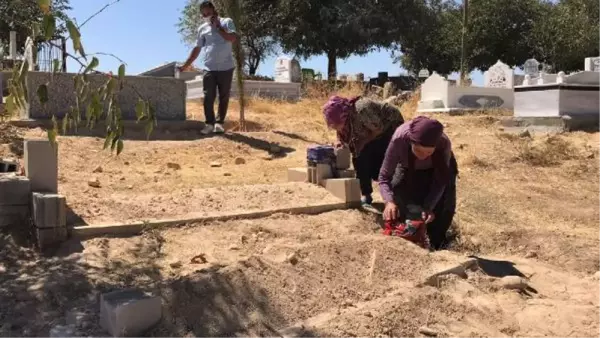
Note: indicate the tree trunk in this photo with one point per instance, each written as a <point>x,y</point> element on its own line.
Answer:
<point>331,65</point>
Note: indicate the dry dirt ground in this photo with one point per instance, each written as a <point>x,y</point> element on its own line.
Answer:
<point>531,202</point>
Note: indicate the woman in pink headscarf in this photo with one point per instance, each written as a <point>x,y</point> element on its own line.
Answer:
<point>364,126</point>
<point>420,170</point>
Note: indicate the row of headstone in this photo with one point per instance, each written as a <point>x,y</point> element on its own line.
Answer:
<point>538,73</point>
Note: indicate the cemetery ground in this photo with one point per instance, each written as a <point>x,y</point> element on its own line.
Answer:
<point>527,205</point>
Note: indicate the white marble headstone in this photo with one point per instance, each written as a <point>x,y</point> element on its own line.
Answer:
<point>592,64</point>
<point>531,67</point>
<point>287,70</point>
<point>500,75</point>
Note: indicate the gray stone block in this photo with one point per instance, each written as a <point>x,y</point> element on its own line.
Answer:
<point>49,210</point>
<point>342,156</point>
<point>166,95</point>
<point>14,215</point>
<point>129,312</point>
<point>51,236</point>
<point>41,165</point>
<point>14,190</point>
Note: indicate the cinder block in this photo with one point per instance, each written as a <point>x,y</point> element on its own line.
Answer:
<point>323,172</point>
<point>41,165</point>
<point>342,156</point>
<point>14,215</point>
<point>297,175</point>
<point>346,173</point>
<point>346,189</point>
<point>312,175</point>
<point>129,312</point>
<point>14,190</point>
<point>49,210</point>
<point>51,236</point>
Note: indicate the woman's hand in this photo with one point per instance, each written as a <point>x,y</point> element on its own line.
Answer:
<point>390,213</point>
<point>428,216</point>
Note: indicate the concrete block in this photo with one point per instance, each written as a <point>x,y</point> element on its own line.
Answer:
<point>297,175</point>
<point>49,210</point>
<point>14,190</point>
<point>51,236</point>
<point>41,165</point>
<point>14,215</point>
<point>346,189</point>
<point>347,173</point>
<point>129,312</point>
<point>324,171</point>
<point>343,157</point>
<point>312,175</point>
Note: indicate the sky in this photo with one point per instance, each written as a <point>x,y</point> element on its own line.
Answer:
<point>142,33</point>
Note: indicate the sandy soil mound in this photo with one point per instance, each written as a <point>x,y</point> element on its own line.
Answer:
<point>200,202</point>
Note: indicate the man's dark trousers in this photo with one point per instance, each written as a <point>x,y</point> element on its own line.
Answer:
<point>212,81</point>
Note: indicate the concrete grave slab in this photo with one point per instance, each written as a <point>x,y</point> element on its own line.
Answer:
<point>41,165</point>
<point>129,312</point>
<point>166,95</point>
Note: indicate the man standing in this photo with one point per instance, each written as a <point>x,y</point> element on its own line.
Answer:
<point>215,35</point>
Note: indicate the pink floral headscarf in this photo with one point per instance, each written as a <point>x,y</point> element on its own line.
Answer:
<point>337,109</point>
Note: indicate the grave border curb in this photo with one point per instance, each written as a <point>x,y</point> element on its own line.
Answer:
<point>132,229</point>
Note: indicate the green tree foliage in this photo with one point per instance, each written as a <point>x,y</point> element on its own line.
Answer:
<point>501,30</point>
<point>434,42</point>
<point>567,32</point>
<point>20,15</point>
<point>257,40</point>
<point>336,28</point>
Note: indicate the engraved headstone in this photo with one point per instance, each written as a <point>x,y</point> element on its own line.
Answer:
<point>592,64</point>
<point>423,73</point>
<point>287,70</point>
<point>531,67</point>
<point>500,75</point>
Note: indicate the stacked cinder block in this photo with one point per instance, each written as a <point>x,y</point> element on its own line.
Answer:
<point>48,208</point>
<point>339,179</point>
<point>15,194</point>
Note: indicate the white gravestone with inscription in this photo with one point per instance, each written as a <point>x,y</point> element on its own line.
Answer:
<point>531,68</point>
<point>500,75</point>
<point>287,70</point>
<point>592,64</point>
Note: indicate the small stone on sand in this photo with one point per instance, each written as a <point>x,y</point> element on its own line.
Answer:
<point>513,283</point>
<point>215,164</point>
<point>240,160</point>
<point>94,182</point>
<point>174,166</point>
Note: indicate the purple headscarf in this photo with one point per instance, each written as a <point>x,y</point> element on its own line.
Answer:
<point>425,131</point>
<point>337,109</point>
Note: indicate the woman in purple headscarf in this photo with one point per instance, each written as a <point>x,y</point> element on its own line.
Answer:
<point>364,126</point>
<point>420,169</point>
